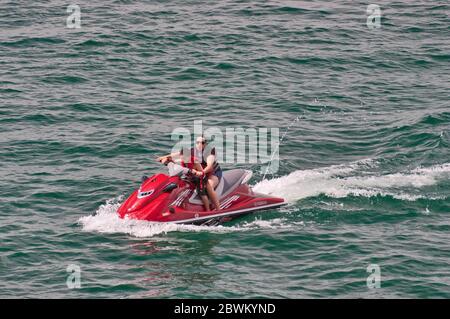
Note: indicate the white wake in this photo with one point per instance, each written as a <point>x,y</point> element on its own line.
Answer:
<point>337,181</point>
<point>354,179</point>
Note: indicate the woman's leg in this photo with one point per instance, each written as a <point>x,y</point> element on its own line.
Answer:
<point>213,181</point>
<point>205,201</point>
<point>200,188</point>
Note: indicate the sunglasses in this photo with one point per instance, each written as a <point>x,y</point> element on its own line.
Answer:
<point>202,142</point>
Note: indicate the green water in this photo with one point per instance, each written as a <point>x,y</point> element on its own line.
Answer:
<point>366,170</point>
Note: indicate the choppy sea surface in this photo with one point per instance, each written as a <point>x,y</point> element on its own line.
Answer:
<point>366,169</point>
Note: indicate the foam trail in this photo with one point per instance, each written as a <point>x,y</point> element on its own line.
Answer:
<point>106,220</point>
<point>334,181</point>
<point>276,223</point>
<point>344,180</point>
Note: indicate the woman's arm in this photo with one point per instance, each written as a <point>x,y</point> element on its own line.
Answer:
<point>209,164</point>
<point>165,157</point>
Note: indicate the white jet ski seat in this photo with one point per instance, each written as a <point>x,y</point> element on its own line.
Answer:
<point>229,181</point>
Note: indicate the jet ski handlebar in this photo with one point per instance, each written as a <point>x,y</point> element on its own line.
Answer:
<point>178,170</point>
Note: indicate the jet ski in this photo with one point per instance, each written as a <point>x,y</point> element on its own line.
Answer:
<point>173,198</point>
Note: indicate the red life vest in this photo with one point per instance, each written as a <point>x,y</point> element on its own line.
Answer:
<point>193,159</point>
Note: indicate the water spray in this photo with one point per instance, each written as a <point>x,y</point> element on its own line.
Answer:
<point>278,145</point>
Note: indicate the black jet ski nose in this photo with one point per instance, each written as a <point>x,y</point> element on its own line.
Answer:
<point>144,178</point>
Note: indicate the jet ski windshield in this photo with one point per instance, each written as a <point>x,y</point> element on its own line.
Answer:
<point>177,170</point>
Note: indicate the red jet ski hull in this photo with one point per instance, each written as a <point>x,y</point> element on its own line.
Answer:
<point>162,198</point>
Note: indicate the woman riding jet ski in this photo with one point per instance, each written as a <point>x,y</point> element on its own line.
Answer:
<point>178,198</point>
<point>204,165</point>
